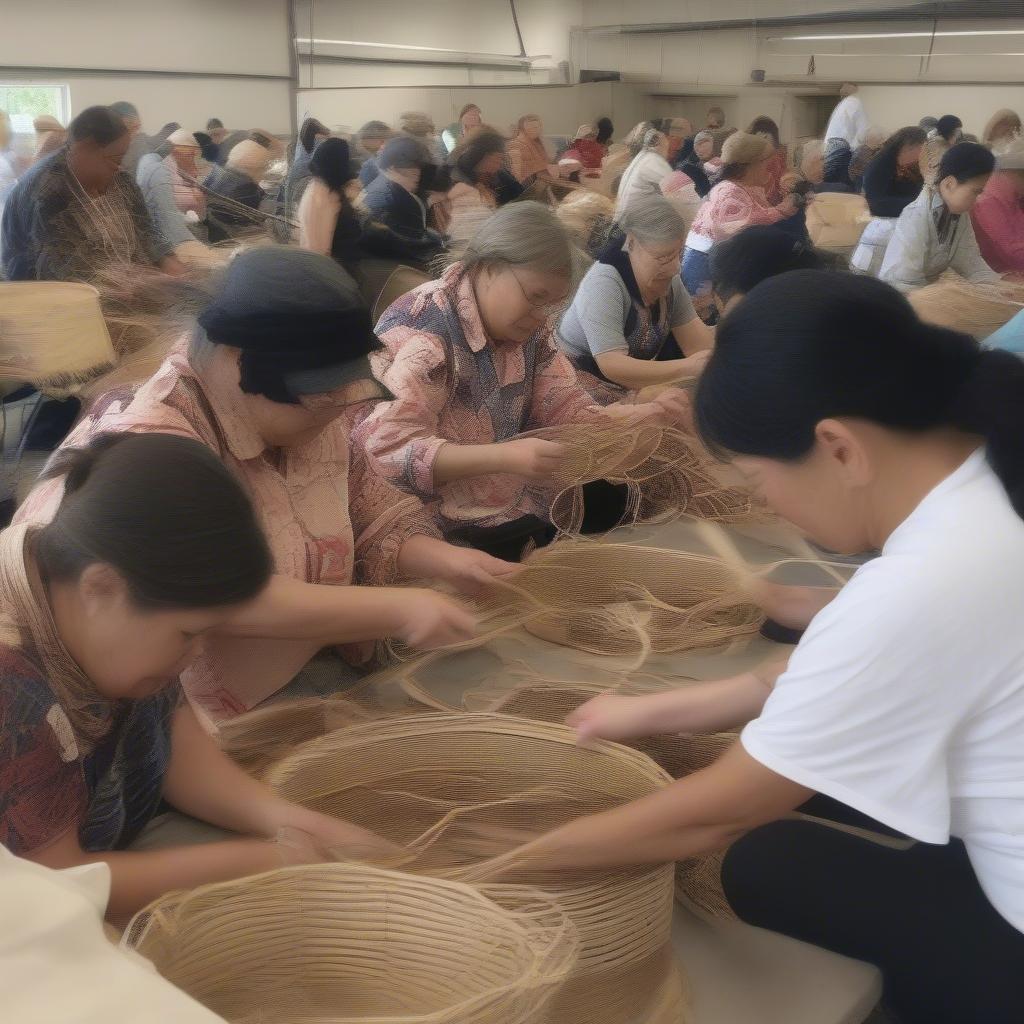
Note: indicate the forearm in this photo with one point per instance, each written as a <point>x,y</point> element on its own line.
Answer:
<point>791,606</point>
<point>712,706</point>
<point>458,461</point>
<point>705,811</point>
<point>290,609</point>
<point>136,879</point>
<point>170,264</point>
<point>420,556</point>
<point>202,781</point>
<point>635,374</point>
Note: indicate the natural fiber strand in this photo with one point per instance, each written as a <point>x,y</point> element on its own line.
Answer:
<point>349,944</point>
<point>462,791</point>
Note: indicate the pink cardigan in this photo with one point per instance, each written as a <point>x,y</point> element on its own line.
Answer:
<point>730,207</point>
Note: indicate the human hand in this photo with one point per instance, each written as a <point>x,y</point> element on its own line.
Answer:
<point>428,620</point>
<point>471,571</point>
<point>676,406</point>
<point>612,717</point>
<point>318,839</point>
<point>532,457</point>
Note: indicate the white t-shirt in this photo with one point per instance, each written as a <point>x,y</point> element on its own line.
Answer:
<point>905,698</point>
<point>848,121</point>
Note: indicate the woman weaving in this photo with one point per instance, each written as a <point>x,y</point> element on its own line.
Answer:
<point>472,362</point>
<point>631,320</point>
<point>904,701</point>
<point>102,609</point>
<point>267,380</point>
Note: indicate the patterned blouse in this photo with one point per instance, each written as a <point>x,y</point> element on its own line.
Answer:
<point>730,207</point>
<point>328,519</point>
<point>47,787</point>
<point>453,384</point>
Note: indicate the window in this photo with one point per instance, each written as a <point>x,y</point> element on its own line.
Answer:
<point>25,101</point>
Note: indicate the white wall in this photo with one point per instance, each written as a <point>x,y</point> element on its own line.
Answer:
<point>563,108</point>
<point>243,37</point>
<point>895,106</point>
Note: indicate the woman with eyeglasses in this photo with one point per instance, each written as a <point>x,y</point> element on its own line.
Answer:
<point>632,323</point>
<point>473,363</point>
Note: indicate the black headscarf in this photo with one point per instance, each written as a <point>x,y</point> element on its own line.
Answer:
<point>289,310</point>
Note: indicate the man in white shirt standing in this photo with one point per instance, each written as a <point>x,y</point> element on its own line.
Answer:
<point>846,129</point>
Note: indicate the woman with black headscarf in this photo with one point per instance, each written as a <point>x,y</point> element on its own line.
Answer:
<point>272,379</point>
<point>311,134</point>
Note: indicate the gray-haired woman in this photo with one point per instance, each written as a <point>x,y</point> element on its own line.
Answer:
<point>473,363</point>
<point>632,323</point>
<point>649,168</point>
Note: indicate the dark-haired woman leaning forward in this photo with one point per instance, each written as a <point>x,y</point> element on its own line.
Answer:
<point>102,609</point>
<point>904,700</point>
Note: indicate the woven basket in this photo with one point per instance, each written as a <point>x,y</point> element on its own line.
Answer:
<point>698,879</point>
<point>452,786</point>
<point>349,944</point>
<point>258,738</point>
<point>976,309</point>
<point>622,599</point>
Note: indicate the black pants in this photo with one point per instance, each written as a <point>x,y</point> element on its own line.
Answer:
<point>946,954</point>
<point>604,505</point>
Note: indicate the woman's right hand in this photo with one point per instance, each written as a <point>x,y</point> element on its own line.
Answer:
<point>428,620</point>
<point>532,457</point>
<point>612,717</point>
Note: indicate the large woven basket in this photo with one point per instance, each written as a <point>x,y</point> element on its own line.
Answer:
<point>623,599</point>
<point>698,879</point>
<point>349,944</point>
<point>438,783</point>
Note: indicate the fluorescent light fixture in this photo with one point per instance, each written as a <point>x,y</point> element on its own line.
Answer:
<point>887,56</point>
<point>419,49</point>
<point>904,35</point>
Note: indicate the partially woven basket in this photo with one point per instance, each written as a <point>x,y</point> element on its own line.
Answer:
<point>623,599</point>
<point>698,879</point>
<point>453,787</point>
<point>668,472</point>
<point>976,309</point>
<point>349,944</point>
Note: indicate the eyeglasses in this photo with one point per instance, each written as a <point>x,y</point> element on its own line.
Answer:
<point>669,260</point>
<point>547,308</point>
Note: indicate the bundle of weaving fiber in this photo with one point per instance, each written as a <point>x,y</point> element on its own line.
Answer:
<point>349,944</point>
<point>463,791</point>
<point>621,599</point>
<point>976,309</point>
<point>668,472</point>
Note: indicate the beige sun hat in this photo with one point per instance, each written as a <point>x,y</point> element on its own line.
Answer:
<point>250,158</point>
<point>183,138</point>
<point>742,148</point>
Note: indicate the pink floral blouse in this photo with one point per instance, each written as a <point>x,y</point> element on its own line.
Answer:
<point>730,207</point>
<point>328,519</point>
<point>453,384</point>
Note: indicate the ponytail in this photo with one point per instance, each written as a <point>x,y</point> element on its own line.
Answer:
<point>990,402</point>
<point>809,345</point>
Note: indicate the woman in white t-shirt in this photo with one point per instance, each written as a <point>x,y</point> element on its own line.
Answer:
<point>904,701</point>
